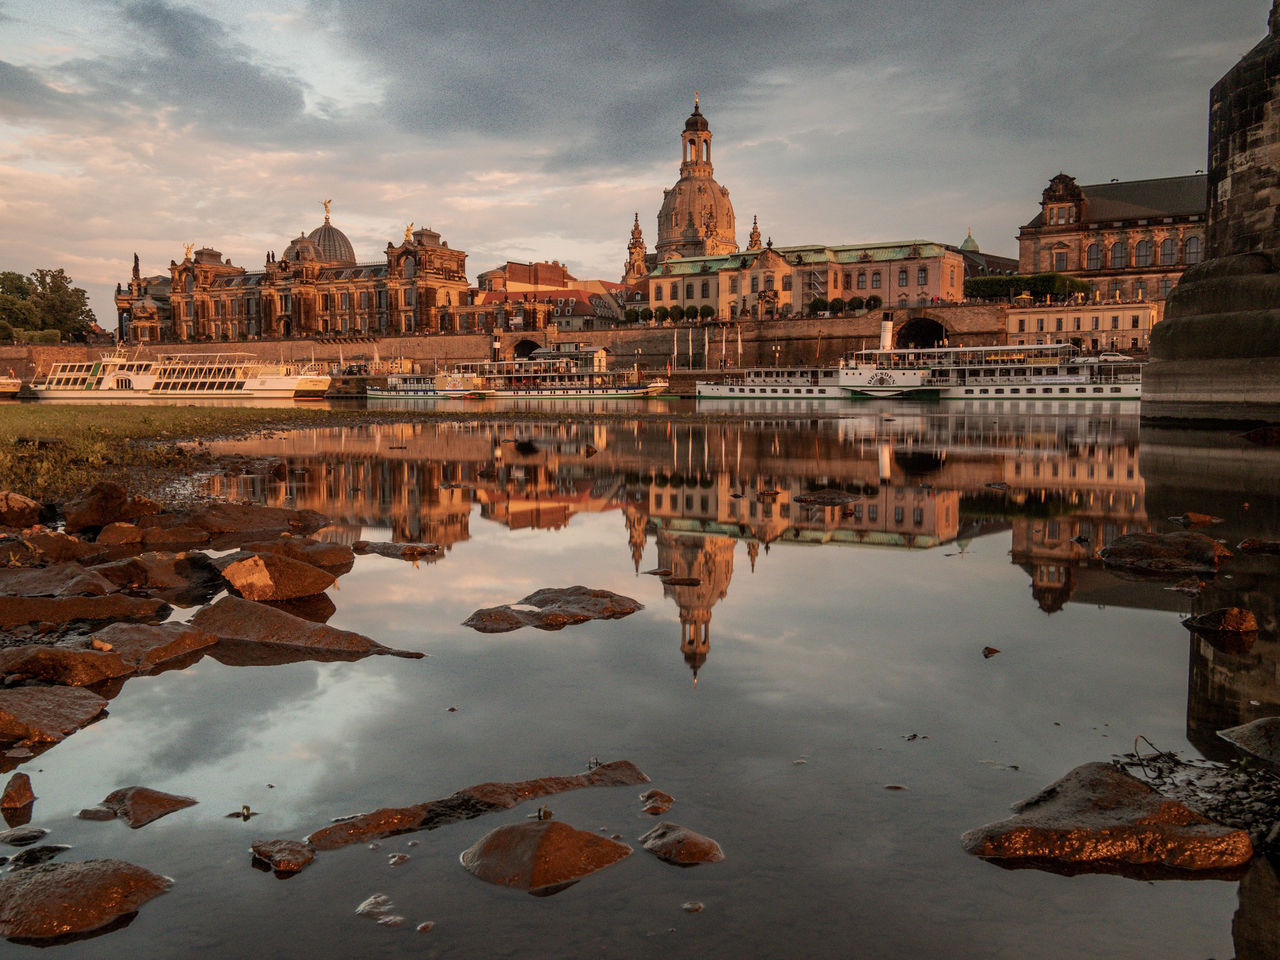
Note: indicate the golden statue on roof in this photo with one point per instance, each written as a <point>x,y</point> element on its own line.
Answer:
<point>187,247</point>
<point>408,232</point>
<point>326,209</point>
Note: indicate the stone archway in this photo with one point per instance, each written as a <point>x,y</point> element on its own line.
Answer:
<point>523,348</point>
<point>920,332</point>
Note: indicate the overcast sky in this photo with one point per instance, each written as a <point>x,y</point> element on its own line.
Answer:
<point>534,130</point>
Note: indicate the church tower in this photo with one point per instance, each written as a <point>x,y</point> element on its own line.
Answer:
<point>696,219</point>
<point>637,267</point>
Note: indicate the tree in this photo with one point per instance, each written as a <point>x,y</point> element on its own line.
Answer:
<point>632,315</point>
<point>837,306</point>
<point>1039,285</point>
<point>662,313</point>
<point>677,313</point>
<point>874,302</point>
<point>817,305</point>
<point>855,304</point>
<point>646,315</point>
<point>44,300</point>
<point>706,311</point>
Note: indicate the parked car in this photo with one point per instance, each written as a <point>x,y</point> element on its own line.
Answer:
<point>1111,357</point>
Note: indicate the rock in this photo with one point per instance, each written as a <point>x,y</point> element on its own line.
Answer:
<point>1259,739</point>
<point>177,535</point>
<point>72,666</point>
<point>22,836</point>
<point>141,805</point>
<point>1100,819</point>
<point>334,557</point>
<point>47,547</point>
<point>317,609</point>
<point>284,856</point>
<point>397,551</point>
<point>1255,546</point>
<point>33,855</point>
<point>119,534</point>
<point>656,802</point>
<point>1168,553</point>
<point>681,581</point>
<point>1195,519</point>
<point>234,618</point>
<point>17,792</point>
<point>17,510</point>
<point>21,611</point>
<point>224,518</point>
<point>556,608</point>
<point>272,576</point>
<point>376,907</point>
<point>680,845</point>
<point>143,647</point>
<point>543,858</point>
<point>105,503</point>
<point>46,714</point>
<point>97,812</point>
<point>989,652</point>
<point>467,804</point>
<point>66,579</point>
<point>692,906</point>
<point>186,579</point>
<point>61,899</point>
<point>1223,620</point>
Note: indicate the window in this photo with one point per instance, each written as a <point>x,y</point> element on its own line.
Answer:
<point>902,277</point>
<point>324,302</point>
<point>1077,324</point>
<point>897,515</point>
<point>657,292</point>
<point>922,276</point>
<point>1119,255</point>
<point>1135,321</point>
<point>1142,254</point>
<point>1095,322</point>
<point>1040,324</point>
<point>862,280</point>
<point>1168,252</point>
<point>755,284</point>
<point>1116,287</point>
<point>408,297</point>
<point>847,285</point>
<point>768,281</point>
<point>1166,284</point>
<point>706,289</point>
<point>1140,289</point>
<point>1059,260</point>
<point>786,282</point>
<point>688,291</point>
<point>875,280</point>
<point>1192,251</point>
<point>1058,324</point>
<point>733,284</point>
<point>345,301</point>
<point>675,291</point>
<point>1093,257</point>
<point>1022,324</point>
<point>1115,323</point>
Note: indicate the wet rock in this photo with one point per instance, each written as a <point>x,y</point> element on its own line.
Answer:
<point>1223,620</point>
<point>334,557</point>
<point>1168,553</point>
<point>75,666</point>
<point>46,714</point>
<point>692,906</point>
<point>66,579</point>
<point>1190,519</point>
<point>680,845</point>
<point>17,792</point>
<point>467,804</point>
<point>57,611</point>
<point>234,618</point>
<point>177,535</point>
<point>17,510</point>
<point>1259,739</point>
<point>681,581</point>
<point>56,900</point>
<point>143,647</point>
<point>47,547</point>
<point>22,836</point>
<point>272,576</point>
<point>33,855</point>
<point>1252,545</point>
<point>119,534</point>
<point>105,503</point>
<point>226,524</point>
<point>139,806</point>
<point>284,856</point>
<point>376,907</point>
<point>397,551</point>
<point>989,652</point>
<point>1100,819</point>
<point>426,926</point>
<point>656,802</point>
<point>557,607</point>
<point>97,812</point>
<point>543,858</point>
<point>186,579</point>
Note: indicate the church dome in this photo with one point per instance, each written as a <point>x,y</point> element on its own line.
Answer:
<point>696,218</point>
<point>332,244</point>
<point>970,245</point>
<point>696,120</point>
<point>301,247</point>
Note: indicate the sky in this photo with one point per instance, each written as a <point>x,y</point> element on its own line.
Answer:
<point>527,130</point>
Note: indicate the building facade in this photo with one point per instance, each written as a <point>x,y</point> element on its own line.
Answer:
<point>1117,326</point>
<point>1128,240</point>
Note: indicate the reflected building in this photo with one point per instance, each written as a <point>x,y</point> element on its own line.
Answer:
<point>709,562</point>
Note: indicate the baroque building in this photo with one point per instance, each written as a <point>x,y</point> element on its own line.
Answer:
<point>315,288</point>
<point>696,219</point>
<point>1128,240</point>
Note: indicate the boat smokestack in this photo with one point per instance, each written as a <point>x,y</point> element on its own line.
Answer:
<point>886,332</point>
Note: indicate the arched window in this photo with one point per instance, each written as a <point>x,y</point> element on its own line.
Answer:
<point>875,280</point>
<point>706,289</point>
<point>675,291</point>
<point>1192,251</point>
<point>410,268</point>
<point>688,291</point>
<point>768,281</point>
<point>1119,255</point>
<point>1168,252</point>
<point>902,277</point>
<point>922,276</point>
<point>1093,257</point>
<point>862,280</point>
<point>657,292</point>
<point>1142,254</point>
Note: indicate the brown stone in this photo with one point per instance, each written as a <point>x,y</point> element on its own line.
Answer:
<point>17,792</point>
<point>118,534</point>
<point>1223,620</point>
<point>49,546</point>
<point>184,579</point>
<point>397,551</point>
<point>1100,819</point>
<point>105,503</point>
<point>284,856</point>
<point>656,802</point>
<point>557,607</point>
<point>1259,739</point>
<point>543,857</point>
<point>1255,546</point>
<point>139,806</point>
<point>67,579</point>
<point>46,714</point>
<point>19,611</point>
<point>179,535</point>
<point>234,618</point>
<point>224,518</point>
<point>75,666</point>
<point>145,646</point>
<point>17,510</point>
<point>1190,519</point>
<point>55,900</point>
<point>680,845</point>
<point>1167,553</point>
<point>273,576</point>
<point>335,557</point>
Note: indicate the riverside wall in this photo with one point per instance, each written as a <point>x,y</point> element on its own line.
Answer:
<point>788,342</point>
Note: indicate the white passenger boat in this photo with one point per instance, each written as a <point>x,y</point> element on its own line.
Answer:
<point>758,383</point>
<point>1055,371</point>
<point>562,371</point>
<point>181,376</point>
